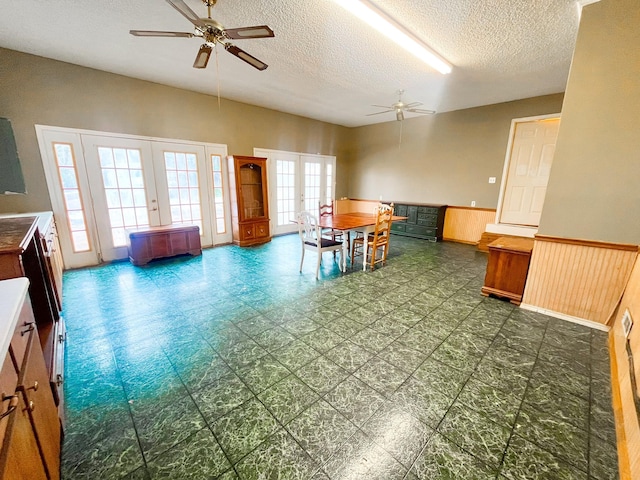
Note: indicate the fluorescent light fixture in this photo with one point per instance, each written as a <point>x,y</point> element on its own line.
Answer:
<point>364,10</point>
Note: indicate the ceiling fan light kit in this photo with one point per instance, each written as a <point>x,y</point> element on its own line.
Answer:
<point>202,58</point>
<point>213,33</point>
<point>367,12</point>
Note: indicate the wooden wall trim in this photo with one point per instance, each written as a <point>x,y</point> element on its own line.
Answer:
<point>466,225</point>
<point>627,247</point>
<point>626,416</point>
<point>477,209</point>
<point>583,281</point>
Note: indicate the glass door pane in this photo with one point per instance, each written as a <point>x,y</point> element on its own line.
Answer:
<point>311,184</point>
<point>120,172</point>
<point>182,186</point>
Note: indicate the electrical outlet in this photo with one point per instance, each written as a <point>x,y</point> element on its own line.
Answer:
<point>473,203</point>
<point>627,323</point>
<point>492,179</point>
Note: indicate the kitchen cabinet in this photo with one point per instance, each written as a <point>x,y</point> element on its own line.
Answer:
<point>29,248</point>
<point>30,431</point>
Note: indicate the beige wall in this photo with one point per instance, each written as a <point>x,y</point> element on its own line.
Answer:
<point>594,190</point>
<point>446,158</point>
<point>35,90</point>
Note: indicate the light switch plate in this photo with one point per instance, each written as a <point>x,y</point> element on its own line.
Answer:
<point>492,179</point>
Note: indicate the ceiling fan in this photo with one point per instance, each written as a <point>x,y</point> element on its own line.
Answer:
<point>400,107</point>
<point>213,33</point>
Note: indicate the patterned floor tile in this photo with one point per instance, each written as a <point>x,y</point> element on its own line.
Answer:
<point>198,456</point>
<point>320,443</point>
<point>240,332</point>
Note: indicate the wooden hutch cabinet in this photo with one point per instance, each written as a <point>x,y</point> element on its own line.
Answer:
<point>249,204</point>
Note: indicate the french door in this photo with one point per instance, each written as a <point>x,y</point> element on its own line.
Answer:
<point>102,185</point>
<point>297,182</point>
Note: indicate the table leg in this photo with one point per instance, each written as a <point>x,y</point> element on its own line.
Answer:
<point>345,250</point>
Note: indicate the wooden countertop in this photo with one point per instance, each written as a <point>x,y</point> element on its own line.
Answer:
<point>12,295</point>
<point>513,244</point>
<point>14,231</point>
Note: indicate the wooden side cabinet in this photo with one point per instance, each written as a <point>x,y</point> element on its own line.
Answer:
<point>249,202</point>
<point>148,243</point>
<point>507,268</point>
<point>30,432</point>
<point>423,221</point>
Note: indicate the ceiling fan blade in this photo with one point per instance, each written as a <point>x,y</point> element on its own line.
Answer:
<point>378,113</point>
<point>421,111</point>
<point>186,12</point>
<point>202,58</point>
<point>258,31</point>
<point>157,33</point>
<point>412,105</point>
<point>242,55</point>
<point>390,109</point>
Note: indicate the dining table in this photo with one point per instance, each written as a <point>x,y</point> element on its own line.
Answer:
<point>351,222</point>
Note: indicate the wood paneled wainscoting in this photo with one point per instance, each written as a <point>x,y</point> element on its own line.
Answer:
<point>467,224</point>
<point>626,414</point>
<point>577,279</point>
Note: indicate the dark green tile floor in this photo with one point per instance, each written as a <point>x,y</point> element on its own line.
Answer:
<point>233,365</point>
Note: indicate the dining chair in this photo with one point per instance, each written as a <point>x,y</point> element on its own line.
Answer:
<point>375,246</point>
<point>337,235</point>
<point>311,238</point>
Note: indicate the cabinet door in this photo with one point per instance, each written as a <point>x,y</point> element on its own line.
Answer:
<point>19,455</point>
<point>412,214</point>
<point>36,392</point>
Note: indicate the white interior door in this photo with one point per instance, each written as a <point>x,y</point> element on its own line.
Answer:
<point>123,188</point>
<point>532,149</point>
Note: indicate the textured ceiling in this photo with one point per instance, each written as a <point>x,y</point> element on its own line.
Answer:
<point>323,62</point>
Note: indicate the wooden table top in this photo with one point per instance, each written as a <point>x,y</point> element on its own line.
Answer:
<point>351,221</point>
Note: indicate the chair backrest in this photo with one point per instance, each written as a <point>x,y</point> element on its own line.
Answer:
<point>307,227</point>
<point>325,210</point>
<point>383,220</point>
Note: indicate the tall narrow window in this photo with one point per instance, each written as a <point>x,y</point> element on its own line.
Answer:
<point>218,194</point>
<point>285,194</point>
<point>184,193</point>
<point>124,190</point>
<point>329,194</point>
<point>65,161</point>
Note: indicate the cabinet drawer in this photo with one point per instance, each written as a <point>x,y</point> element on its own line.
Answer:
<point>420,230</point>
<point>20,336</point>
<point>399,227</point>
<point>429,210</point>
<point>427,220</point>
<point>400,210</point>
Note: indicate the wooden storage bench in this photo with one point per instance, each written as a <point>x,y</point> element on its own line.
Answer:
<point>507,268</point>
<point>148,243</point>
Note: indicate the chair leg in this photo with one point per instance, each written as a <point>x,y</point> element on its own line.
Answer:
<point>302,259</point>
<point>318,265</point>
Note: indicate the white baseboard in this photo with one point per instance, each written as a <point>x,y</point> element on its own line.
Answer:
<point>568,318</point>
